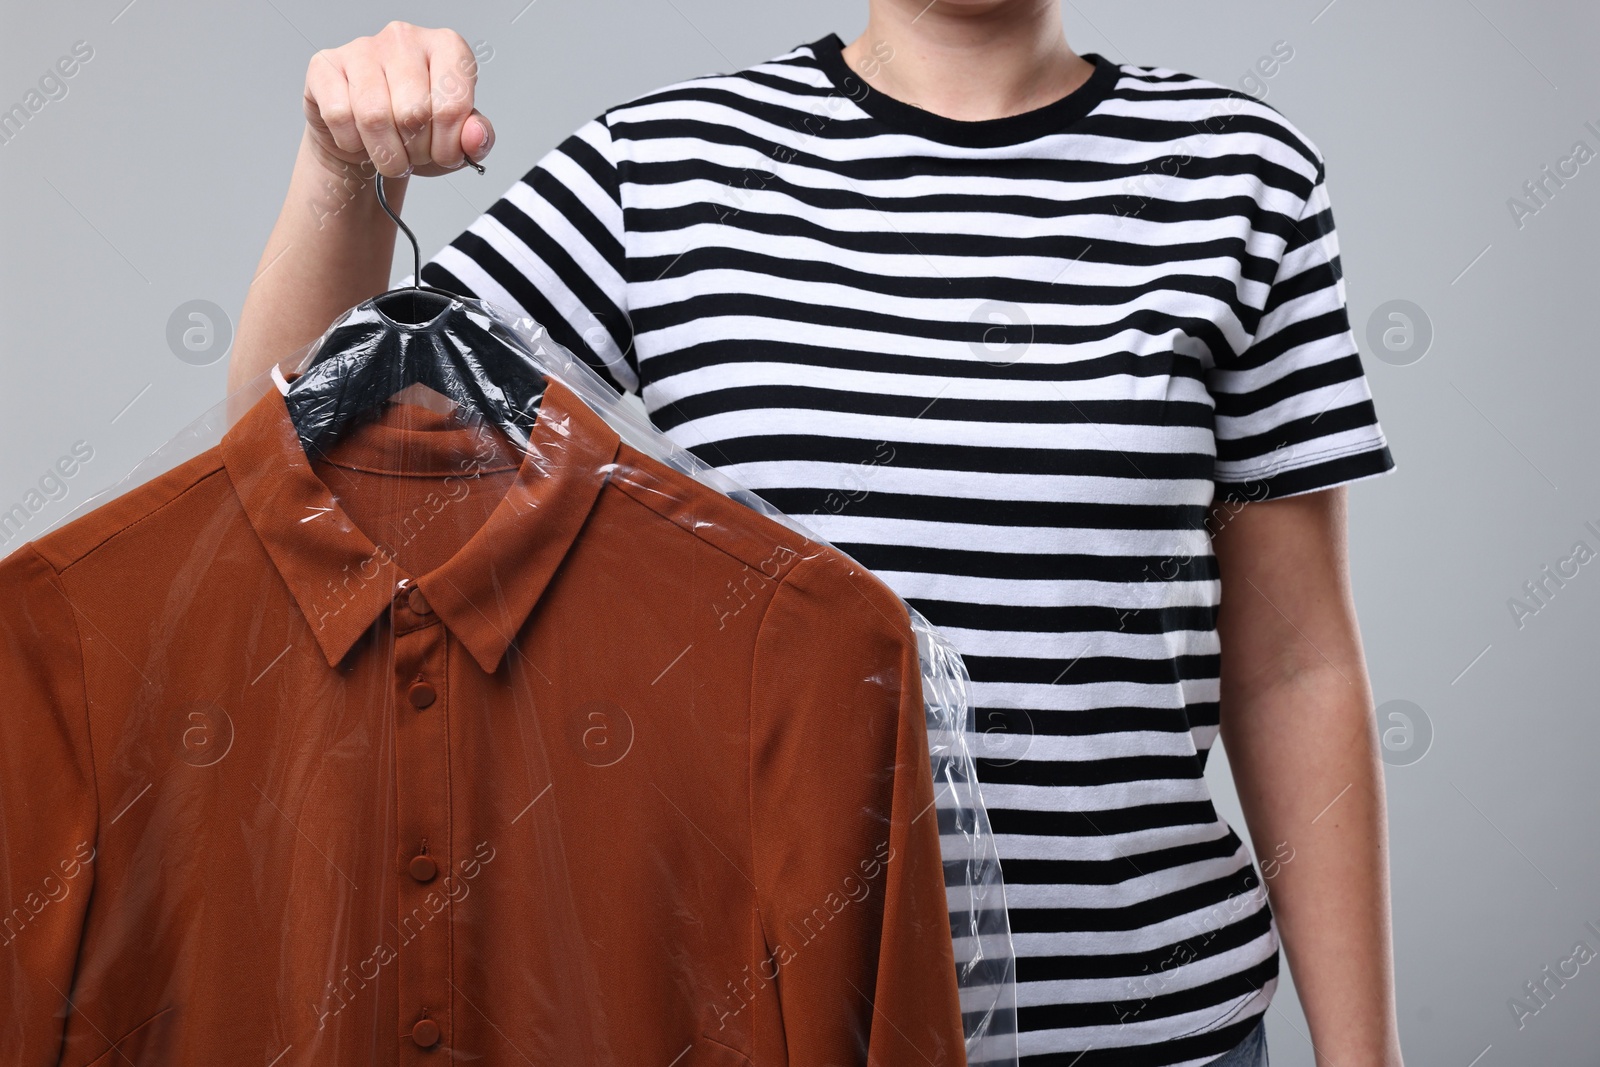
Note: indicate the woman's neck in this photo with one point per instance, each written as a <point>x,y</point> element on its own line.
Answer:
<point>968,61</point>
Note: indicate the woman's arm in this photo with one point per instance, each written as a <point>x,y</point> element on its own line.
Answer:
<point>1301,736</point>
<point>399,102</point>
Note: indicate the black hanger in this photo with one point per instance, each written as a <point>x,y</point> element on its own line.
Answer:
<point>419,334</point>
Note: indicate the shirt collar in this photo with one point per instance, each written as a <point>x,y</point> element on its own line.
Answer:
<point>342,581</point>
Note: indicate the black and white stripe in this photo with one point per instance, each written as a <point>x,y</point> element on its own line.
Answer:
<point>1009,366</point>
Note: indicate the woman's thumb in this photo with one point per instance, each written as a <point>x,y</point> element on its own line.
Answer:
<point>477,136</point>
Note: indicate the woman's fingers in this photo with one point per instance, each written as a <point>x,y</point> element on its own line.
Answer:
<point>401,99</point>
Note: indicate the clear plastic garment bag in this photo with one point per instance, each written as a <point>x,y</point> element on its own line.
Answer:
<point>422,704</point>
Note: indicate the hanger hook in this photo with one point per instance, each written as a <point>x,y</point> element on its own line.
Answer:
<point>416,251</point>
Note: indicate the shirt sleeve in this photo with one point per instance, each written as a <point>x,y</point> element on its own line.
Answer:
<point>848,868</point>
<point>551,248</point>
<point>1293,411</point>
<point>47,810</point>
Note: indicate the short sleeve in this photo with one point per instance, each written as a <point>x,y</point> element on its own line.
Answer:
<point>551,248</point>
<point>1293,411</point>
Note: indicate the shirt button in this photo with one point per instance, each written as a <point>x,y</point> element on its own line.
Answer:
<point>421,694</point>
<point>426,1033</point>
<point>423,868</point>
<point>417,602</point>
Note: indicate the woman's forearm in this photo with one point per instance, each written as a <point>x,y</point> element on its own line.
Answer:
<point>331,249</point>
<point>1304,755</point>
<point>1298,725</point>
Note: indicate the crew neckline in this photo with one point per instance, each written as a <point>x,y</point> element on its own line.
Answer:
<point>1053,117</point>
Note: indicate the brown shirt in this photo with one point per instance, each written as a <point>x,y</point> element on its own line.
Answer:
<point>431,752</point>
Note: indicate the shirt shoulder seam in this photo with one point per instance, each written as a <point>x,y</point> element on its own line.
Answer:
<point>794,541</point>
<point>83,554</point>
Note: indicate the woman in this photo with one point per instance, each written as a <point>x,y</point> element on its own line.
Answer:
<point>1058,347</point>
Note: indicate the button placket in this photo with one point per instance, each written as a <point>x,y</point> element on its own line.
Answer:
<point>422,805</point>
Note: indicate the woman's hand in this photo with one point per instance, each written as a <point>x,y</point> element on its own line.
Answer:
<point>401,99</point>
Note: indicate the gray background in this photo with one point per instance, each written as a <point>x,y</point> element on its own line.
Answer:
<point>156,178</point>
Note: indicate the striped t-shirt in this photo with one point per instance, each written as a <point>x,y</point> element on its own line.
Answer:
<point>1011,366</point>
